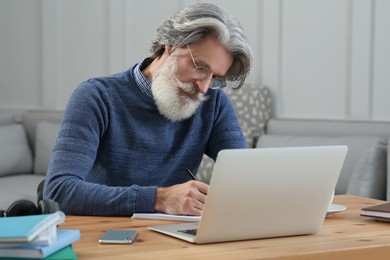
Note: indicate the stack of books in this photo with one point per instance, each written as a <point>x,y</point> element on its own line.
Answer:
<point>36,237</point>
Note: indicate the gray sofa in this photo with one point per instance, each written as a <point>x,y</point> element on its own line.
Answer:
<point>26,140</point>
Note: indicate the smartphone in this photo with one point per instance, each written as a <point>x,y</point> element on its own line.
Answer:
<point>118,237</point>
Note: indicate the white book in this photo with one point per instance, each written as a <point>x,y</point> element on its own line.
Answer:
<point>162,216</point>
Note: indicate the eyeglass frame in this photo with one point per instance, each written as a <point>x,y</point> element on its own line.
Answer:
<point>221,81</point>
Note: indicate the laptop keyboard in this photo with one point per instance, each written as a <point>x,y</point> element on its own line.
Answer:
<point>189,231</point>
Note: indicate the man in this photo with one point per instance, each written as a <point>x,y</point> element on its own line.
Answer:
<point>127,141</point>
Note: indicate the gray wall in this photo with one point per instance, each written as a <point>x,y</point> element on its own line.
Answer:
<point>321,58</point>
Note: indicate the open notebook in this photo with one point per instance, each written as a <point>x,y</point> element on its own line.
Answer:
<point>265,192</point>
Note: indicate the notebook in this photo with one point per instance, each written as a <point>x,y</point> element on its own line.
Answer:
<point>265,192</point>
<point>22,229</point>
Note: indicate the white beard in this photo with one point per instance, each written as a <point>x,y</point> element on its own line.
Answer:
<point>166,92</point>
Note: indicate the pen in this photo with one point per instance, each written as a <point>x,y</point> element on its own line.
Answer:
<point>191,174</point>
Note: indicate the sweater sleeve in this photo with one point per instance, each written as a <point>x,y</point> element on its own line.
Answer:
<point>85,122</point>
<point>226,132</point>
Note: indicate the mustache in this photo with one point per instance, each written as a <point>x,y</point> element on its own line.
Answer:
<point>191,89</point>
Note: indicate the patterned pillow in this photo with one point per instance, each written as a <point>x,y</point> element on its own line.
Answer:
<point>252,104</point>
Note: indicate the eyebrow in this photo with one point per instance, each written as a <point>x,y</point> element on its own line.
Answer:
<point>204,64</point>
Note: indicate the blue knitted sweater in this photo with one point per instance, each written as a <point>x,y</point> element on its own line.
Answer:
<point>114,148</point>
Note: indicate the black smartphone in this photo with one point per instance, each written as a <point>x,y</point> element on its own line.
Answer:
<point>118,237</point>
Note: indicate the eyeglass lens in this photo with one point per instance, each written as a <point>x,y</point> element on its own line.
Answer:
<point>201,73</point>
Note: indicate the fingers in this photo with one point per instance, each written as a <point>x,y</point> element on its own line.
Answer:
<point>195,212</point>
<point>186,199</point>
<point>192,198</point>
<point>202,187</point>
<point>201,190</point>
<point>197,194</point>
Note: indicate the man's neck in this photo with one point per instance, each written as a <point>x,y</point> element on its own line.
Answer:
<point>149,70</point>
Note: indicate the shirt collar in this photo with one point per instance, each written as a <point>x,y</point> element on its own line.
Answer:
<point>143,83</point>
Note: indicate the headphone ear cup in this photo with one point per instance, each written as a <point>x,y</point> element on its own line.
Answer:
<point>22,208</point>
<point>48,206</point>
<point>3,213</point>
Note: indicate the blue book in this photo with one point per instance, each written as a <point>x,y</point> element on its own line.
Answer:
<point>66,253</point>
<point>65,237</point>
<point>27,228</point>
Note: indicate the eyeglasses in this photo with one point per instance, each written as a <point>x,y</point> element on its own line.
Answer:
<point>201,73</point>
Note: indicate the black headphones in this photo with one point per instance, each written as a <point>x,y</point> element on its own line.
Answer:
<point>26,207</point>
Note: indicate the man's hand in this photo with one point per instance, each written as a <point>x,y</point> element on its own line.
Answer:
<point>183,199</point>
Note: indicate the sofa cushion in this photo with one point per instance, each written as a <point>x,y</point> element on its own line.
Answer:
<point>46,135</point>
<point>31,118</point>
<point>15,154</point>
<point>364,170</point>
<point>370,171</point>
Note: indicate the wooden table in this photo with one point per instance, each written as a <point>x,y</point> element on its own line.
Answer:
<point>345,235</point>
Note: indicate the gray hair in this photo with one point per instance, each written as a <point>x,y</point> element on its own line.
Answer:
<point>195,23</point>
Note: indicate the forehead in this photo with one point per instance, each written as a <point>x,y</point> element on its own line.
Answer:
<point>213,54</point>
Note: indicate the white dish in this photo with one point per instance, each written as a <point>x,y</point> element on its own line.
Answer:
<point>335,208</point>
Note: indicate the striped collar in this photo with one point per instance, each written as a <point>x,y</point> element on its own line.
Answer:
<point>143,83</point>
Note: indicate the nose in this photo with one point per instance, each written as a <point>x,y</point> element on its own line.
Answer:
<point>203,85</point>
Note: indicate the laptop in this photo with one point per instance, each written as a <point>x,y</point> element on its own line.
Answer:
<point>264,193</point>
